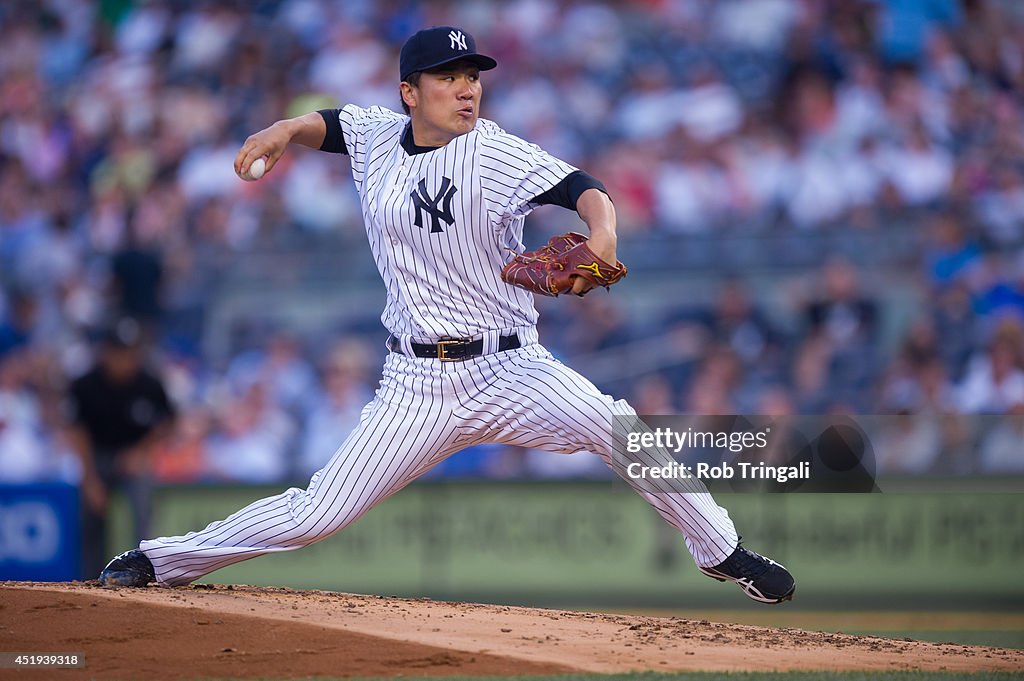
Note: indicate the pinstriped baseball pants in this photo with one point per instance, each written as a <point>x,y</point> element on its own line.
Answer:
<point>423,412</point>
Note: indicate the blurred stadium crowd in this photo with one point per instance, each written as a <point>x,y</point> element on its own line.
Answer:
<point>119,122</point>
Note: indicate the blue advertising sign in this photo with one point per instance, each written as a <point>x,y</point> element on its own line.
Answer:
<point>39,532</point>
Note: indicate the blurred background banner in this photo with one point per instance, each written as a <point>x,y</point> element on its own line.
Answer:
<point>39,532</point>
<point>821,203</point>
<point>584,544</point>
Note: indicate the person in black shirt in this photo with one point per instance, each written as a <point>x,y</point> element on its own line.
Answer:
<point>119,410</point>
<point>137,273</point>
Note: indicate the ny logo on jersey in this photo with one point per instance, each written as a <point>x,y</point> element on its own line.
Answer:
<point>458,40</point>
<point>425,204</point>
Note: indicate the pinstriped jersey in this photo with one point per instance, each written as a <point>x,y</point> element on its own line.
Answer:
<point>442,224</point>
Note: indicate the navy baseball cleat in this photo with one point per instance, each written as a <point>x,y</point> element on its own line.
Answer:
<point>131,568</point>
<point>762,579</point>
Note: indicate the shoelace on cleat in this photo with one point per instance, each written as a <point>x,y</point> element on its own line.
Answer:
<point>750,565</point>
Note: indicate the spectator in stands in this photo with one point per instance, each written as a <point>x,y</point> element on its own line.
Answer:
<point>335,412</point>
<point>253,438</point>
<point>953,314</point>
<point>17,326</point>
<point>737,323</point>
<point>907,444</point>
<point>959,442</point>
<point>843,315</point>
<point>280,364</point>
<point>995,378</point>
<point>23,452</point>
<point>653,396</point>
<point>137,274</point>
<point>844,321</point>
<point>952,252</point>
<point>181,457</point>
<point>714,386</point>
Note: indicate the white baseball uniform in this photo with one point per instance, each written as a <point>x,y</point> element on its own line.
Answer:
<point>441,224</point>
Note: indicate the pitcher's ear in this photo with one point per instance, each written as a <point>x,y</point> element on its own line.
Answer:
<point>408,93</point>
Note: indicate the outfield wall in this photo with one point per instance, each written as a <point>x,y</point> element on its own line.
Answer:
<point>594,544</point>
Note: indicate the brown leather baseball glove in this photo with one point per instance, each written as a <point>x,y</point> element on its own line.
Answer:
<point>550,269</point>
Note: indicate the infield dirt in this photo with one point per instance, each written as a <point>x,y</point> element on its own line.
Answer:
<point>249,632</point>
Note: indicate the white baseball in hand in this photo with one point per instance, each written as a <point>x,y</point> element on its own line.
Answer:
<point>256,170</point>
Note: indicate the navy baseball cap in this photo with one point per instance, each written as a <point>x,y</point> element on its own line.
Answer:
<point>433,47</point>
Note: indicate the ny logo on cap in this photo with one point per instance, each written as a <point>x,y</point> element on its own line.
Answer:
<point>458,40</point>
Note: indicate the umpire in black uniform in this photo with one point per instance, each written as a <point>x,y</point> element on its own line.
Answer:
<point>118,411</point>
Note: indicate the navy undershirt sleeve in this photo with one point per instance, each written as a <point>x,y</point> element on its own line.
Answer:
<point>567,192</point>
<point>334,140</point>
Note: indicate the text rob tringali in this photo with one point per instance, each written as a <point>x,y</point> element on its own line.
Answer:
<point>720,471</point>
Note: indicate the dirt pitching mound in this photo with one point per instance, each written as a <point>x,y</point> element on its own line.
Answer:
<point>249,632</point>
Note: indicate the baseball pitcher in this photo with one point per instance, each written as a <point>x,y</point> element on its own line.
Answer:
<point>444,194</point>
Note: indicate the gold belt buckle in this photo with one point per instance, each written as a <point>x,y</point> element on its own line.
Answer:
<point>442,353</point>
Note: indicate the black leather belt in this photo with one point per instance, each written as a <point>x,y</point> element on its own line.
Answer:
<point>454,349</point>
